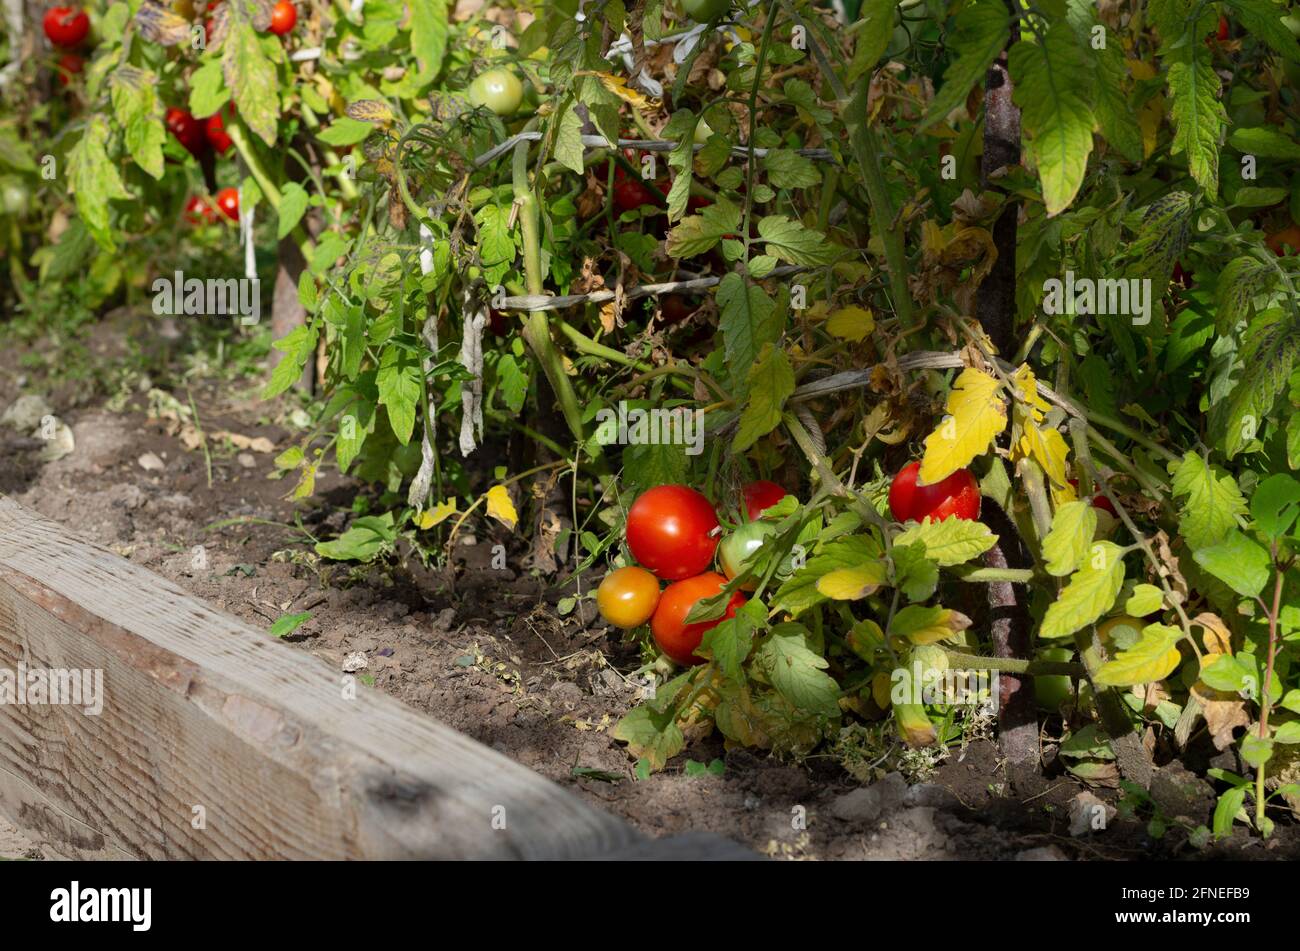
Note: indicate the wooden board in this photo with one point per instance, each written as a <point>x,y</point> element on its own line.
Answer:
<point>206,716</point>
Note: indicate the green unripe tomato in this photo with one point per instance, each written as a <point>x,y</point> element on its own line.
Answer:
<point>13,197</point>
<point>739,545</point>
<point>498,89</point>
<point>704,11</point>
<point>1052,690</point>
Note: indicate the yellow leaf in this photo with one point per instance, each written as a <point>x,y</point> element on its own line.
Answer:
<point>618,86</point>
<point>848,584</point>
<point>1027,390</point>
<point>880,684</point>
<point>1047,447</point>
<point>500,507</point>
<point>976,415</point>
<point>851,323</point>
<point>1153,658</point>
<point>306,481</point>
<point>439,513</point>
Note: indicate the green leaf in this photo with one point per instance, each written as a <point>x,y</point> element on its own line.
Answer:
<point>800,593</point>
<point>798,672</point>
<point>298,345</point>
<point>916,575</point>
<point>953,541</point>
<point>1119,126</point>
<point>1256,750</point>
<point>696,234</point>
<point>1073,527</point>
<point>730,641</point>
<point>513,383</point>
<point>786,168</point>
<point>1275,505</point>
<point>288,623</point>
<point>399,381</point>
<point>94,179</point>
<point>1145,599</point>
<point>771,381</point>
<point>253,80</point>
<point>1052,83</point>
<point>1265,142</point>
<point>793,243</point>
<point>138,110</point>
<point>1239,282</point>
<point>1150,660</point>
<point>365,538</point>
<point>1197,112</point>
<point>750,320</point>
<point>1214,505</point>
<point>345,131</point>
<point>1225,812</point>
<point>429,32</point>
<point>1090,594</point>
<point>1268,355</point>
<point>1288,733</point>
<point>293,204</point>
<point>568,140</point>
<point>208,92</point>
<point>871,34</point>
<point>979,35</point>
<point>655,737</point>
<point>1239,562</point>
<point>1263,20</point>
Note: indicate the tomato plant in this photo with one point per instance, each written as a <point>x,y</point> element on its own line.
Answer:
<point>946,233</point>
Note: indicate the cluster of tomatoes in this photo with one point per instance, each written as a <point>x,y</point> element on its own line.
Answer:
<point>67,28</point>
<point>673,532</point>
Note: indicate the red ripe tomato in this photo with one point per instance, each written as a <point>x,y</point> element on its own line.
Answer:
<point>199,211</point>
<point>697,203</point>
<point>70,64</point>
<point>630,194</point>
<point>283,17</point>
<point>759,496</point>
<point>498,322</point>
<point>1099,501</point>
<point>628,597</point>
<point>674,308</point>
<point>672,634</point>
<point>670,530</point>
<point>188,130</point>
<point>228,202</point>
<point>65,26</point>
<point>958,495</point>
<point>1224,29</point>
<point>215,130</point>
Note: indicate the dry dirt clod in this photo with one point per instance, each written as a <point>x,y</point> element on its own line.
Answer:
<point>151,463</point>
<point>1088,814</point>
<point>871,802</point>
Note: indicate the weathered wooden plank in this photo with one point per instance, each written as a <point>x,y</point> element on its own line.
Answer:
<point>204,715</point>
